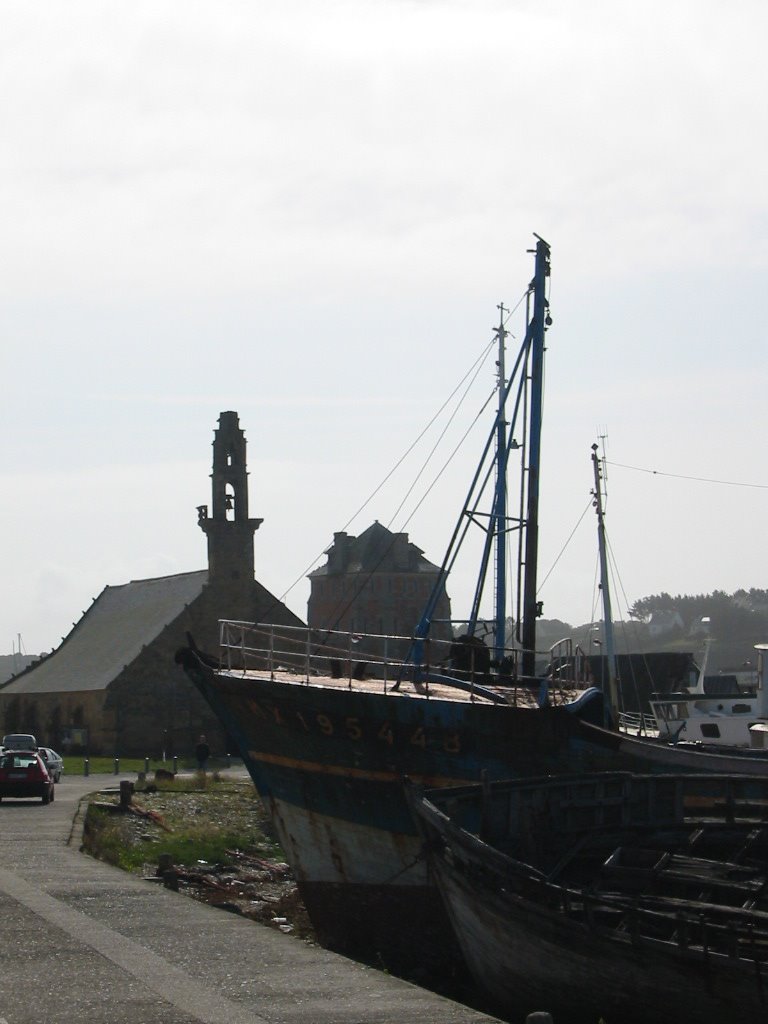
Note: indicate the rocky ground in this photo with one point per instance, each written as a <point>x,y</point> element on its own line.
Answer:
<point>253,881</point>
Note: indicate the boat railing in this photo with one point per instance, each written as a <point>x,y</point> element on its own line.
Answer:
<point>635,723</point>
<point>304,651</point>
<point>565,671</point>
<point>311,653</point>
<point>594,802</point>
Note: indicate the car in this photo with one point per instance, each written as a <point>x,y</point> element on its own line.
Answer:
<point>23,774</point>
<point>53,762</point>
<point>19,741</point>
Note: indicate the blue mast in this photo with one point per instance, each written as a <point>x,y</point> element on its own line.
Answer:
<point>530,363</point>
<point>500,501</point>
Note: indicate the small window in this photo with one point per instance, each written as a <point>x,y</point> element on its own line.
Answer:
<point>741,709</point>
<point>710,732</point>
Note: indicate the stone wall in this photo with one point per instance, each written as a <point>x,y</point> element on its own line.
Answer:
<point>151,708</point>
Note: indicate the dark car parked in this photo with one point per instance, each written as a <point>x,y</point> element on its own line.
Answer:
<point>23,774</point>
<point>53,762</point>
<point>19,741</point>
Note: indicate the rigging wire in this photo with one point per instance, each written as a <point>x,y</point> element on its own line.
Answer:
<point>361,579</point>
<point>616,575</point>
<point>468,379</point>
<point>682,476</point>
<point>473,369</point>
<point>439,441</point>
<point>563,549</point>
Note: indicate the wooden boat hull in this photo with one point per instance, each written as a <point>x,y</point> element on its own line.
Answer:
<point>526,958</point>
<point>528,950</point>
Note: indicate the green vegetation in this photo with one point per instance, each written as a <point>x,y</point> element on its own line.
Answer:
<point>74,765</point>
<point>743,611</point>
<point>197,818</point>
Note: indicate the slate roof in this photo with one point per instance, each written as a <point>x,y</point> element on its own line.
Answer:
<point>372,552</point>
<point>120,622</point>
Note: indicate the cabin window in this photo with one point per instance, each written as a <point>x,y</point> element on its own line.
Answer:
<point>673,712</point>
<point>742,709</point>
<point>710,731</point>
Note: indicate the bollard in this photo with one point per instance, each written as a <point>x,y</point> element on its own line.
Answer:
<point>126,793</point>
<point>229,760</point>
<point>146,764</point>
<point>168,873</point>
<point>86,767</point>
<point>117,766</point>
<point>175,764</point>
<point>539,1017</point>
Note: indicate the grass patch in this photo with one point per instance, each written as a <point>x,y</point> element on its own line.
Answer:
<point>200,819</point>
<point>75,765</point>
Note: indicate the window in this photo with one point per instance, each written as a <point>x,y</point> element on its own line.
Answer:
<point>710,731</point>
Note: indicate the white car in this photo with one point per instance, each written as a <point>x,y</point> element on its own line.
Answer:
<point>53,762</point>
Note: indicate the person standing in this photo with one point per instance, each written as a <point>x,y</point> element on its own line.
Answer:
<point>202,753</point>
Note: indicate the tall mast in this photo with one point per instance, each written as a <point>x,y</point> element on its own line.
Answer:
<point>531,608</point>
<point>610,653</point>
<point>500,503</point>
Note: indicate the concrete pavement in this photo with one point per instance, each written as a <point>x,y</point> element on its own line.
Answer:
<point>85,942</point>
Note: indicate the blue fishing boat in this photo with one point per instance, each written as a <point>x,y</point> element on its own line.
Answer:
<point>328,724</point>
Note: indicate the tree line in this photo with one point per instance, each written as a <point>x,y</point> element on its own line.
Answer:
<point>743,613</point>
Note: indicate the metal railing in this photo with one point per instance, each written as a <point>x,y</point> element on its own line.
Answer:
<point>300,651</point>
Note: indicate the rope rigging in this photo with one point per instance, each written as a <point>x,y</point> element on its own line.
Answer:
<point>682,476</point>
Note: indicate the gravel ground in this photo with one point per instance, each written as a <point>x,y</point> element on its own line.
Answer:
<point>253,881</point>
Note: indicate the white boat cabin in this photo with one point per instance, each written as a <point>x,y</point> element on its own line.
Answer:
<point>721,715</point>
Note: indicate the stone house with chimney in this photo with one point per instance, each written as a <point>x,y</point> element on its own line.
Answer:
<point>376,583</point>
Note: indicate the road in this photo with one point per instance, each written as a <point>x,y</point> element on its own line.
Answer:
<point>85,942</point>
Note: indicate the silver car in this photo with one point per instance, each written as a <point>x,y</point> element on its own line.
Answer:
<point>53,762</point>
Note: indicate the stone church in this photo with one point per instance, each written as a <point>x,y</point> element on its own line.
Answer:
<point>112,686</point>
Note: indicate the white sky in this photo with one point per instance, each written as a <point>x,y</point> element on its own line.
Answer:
<point>307,212</point>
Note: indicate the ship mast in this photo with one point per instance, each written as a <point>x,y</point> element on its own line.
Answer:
<point>530,364</point>
<point>612,704</point>
<point>531,607</point>
<point>500,503</point>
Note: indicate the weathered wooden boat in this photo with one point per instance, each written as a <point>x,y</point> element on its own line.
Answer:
<point>609,896</point>
<point>328,724</point>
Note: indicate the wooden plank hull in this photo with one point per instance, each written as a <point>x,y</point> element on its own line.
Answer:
<point>526,958</point>
<point>624,944</point>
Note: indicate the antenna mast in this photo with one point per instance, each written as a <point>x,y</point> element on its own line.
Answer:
<point>610,653</point>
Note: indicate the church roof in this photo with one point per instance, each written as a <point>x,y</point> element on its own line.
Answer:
<point>111,634</point>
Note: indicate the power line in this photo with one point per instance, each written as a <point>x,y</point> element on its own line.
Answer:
<point>681,476</point>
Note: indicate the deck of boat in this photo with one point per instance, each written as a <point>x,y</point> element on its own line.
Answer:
<point>514,695</point>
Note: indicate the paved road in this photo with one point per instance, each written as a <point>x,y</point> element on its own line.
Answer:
<point>86,943</point>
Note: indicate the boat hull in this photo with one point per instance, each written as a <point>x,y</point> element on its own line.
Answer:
<point>641,952</point>
<point>526,957</point>
<point>329,764</point>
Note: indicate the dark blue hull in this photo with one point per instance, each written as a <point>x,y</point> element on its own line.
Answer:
<point>329,764</point>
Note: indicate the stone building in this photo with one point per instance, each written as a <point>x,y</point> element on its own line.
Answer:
<point>112,686</point>
<point>376,583</point>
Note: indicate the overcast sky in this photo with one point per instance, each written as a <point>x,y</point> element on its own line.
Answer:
<point>308,213</point>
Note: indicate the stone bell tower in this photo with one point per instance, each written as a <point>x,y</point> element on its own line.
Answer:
<point>228,528</point>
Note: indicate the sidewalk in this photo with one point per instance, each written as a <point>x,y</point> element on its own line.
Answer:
<point>88,943</point>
